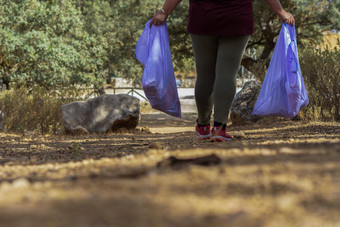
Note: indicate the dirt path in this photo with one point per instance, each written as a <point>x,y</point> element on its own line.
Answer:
<point>276,172</point>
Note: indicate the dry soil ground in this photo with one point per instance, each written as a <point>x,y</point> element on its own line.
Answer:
<point>276,172</point>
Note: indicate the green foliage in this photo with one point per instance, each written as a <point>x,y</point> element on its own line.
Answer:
<point>334,11</point>
<point>46,45</point>
<point>56,42</point>
<point>180,42</point>
<point>36,109</point>
<point>121,23</point>
<point>321,72</point>
<point>312,17</point>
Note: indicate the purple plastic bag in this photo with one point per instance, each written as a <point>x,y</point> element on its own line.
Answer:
<point>159,83</point>
<point>283,92</point>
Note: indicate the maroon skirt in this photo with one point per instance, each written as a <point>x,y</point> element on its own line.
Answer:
<point>221,17</point>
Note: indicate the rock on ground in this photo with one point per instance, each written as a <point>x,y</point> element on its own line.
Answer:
<point>244,103</point>
<point>101,114</point>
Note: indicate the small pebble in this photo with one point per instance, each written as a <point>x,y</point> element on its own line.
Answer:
<point>21,183</point>
<point>156,145</point>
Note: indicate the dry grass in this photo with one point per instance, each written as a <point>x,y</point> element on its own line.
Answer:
<point>36,109</point>
<point>330,41</point>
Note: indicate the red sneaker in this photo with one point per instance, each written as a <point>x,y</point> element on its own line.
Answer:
<point>203,131</point>
<point>219,135</point>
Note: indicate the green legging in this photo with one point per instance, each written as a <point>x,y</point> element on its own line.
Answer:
<point>218,59</point>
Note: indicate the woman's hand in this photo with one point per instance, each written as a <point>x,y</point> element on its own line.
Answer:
<point>158,19</point>
<point>286,17</point>
<point>276,6</point>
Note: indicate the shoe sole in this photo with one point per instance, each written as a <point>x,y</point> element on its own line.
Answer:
<point>203,137</point>
<point>220,139</point>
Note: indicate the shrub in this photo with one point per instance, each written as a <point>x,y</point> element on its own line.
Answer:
<point>321,72</point>
<point>36,109</point>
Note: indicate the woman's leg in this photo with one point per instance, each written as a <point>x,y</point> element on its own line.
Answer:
<point>205,50</point>
<point>229,55</point>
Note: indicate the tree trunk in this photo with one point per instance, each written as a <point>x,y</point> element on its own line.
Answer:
<point>268,47</point>
<point>247,62</point>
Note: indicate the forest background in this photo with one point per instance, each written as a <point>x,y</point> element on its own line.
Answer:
<point>51,45</point>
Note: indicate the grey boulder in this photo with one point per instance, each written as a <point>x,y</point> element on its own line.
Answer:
<point>244,103</point>
<point>101,114</point>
